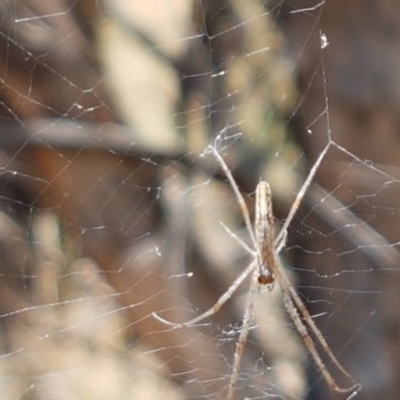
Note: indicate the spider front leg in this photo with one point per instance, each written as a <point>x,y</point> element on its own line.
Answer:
<point>279,245</point>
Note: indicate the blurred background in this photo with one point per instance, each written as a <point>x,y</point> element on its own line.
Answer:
<point>110,205</point>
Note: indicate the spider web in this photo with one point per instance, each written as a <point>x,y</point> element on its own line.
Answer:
<point>111,207</point>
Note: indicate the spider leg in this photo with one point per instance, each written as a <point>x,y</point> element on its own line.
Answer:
<point>240,199</point>
<point>237,238</point>
<point>216,307</point>
<point>282,242</point>
<point>243,334</point>
<point>302,192</point>
<point>291,299</point>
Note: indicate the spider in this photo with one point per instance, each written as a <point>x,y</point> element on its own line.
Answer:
<point>266,270</point>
